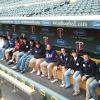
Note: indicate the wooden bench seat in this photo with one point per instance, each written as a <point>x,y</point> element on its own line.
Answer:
<point>82,84</point>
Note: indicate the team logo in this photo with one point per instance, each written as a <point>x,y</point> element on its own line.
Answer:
<point>61,42</point>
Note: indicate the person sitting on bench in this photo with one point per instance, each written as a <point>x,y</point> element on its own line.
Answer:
<point>62,63</point>
<point>74,69</point>
<point>94,84</point>
<point>50,60</point>
<point>88,72</point>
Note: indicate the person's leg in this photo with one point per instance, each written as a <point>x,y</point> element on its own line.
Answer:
<point>37,65</point>
<point>63,71</point>
<point>20,54</point>
<point>55,72</point>
<point>49,69</point>
<point>16,59</point>
<point>19,63</point>
<point>32,64</point>
<point>55,69</point>
<point>24,57</point>
<point>28,60</point>
<point>23,64</point>
<point>14,55</point>
<point>89,80</point>
<point>93,85</point>
<point>10,53</point>
<point>76,82</point>
<point>66,77</point>
<point>3,54</point>
<point>17,66</point>
<point>0,53</point>
<point>6,54</point>
<point>43,67</point>
<point>13,58</point>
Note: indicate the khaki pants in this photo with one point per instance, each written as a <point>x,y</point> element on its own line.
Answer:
<point>35,63</point>
<point>46,68</point>
<point>14,57</point>
<point>7,51</point>
<point>32,62</point>
<point>58,68</point>
<point>89,80</point>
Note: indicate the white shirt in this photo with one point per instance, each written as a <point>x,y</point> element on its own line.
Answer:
<point>1,43</point>
<point>75,58</point>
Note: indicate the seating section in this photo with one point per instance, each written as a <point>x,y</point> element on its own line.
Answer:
<point>82,84</point>
<point>31,8</point>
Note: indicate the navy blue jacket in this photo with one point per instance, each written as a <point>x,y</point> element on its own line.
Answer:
<point>6,44</point>
<point>98,72</point>
<point>11,43</point>
<point>39,52</point>
<point>31,50</point>
<point>75,65</point>
<point>88,68</point>
<point>24,47</point>
<point>63,60</point>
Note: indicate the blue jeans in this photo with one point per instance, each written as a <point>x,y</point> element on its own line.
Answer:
<point>2,53</point>
<point>76,81</point>
<point>25,61</point>
<point>75,78</point>
<point>92,88</point>
<point>28,60</point>
<point>22,56</point>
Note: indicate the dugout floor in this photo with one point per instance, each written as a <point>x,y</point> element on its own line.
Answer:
<point>8,94</point>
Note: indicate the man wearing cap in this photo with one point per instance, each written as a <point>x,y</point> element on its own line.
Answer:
<point>74,69</point>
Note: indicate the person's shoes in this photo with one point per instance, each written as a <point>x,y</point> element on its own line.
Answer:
<point>67,87</point>
<point>1,59</point>
<point>14,68</point>
<point>49,78</point>
<point>9,63</point>
<point>42,75</point>
<point>55,80</point>
<point>7,60</point>
<point>33,71</point>
<point>91,99</point>
<point>23,71</point>
<point>76,93</point>
<point>38,73</point>
<point>17,70</point>
<point>62,85</point>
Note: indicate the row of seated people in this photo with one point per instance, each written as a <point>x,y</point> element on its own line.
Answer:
<point>42,59</point>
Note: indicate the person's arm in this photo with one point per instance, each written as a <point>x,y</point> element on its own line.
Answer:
<point>93,69</point>
<point>81,69</point>
<point>70,63</point>
<point>54,56</point>
<point>58,61</point>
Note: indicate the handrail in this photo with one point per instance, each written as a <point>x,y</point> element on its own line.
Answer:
<point>40,88</point>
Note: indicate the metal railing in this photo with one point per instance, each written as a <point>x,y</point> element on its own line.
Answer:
<point>44,91</point>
